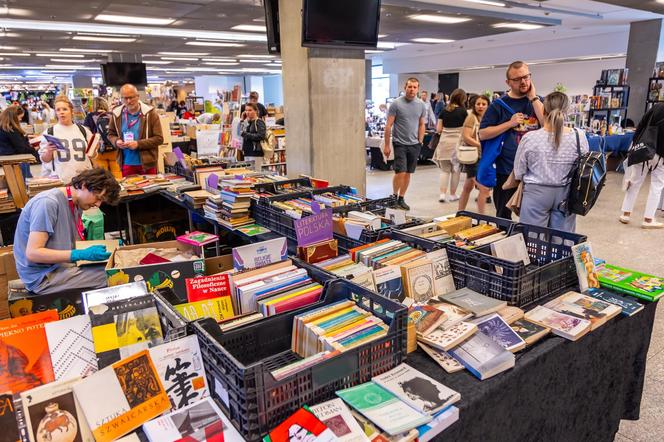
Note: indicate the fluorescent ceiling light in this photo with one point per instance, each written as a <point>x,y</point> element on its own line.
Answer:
<point>156,62</point>
<point>55,54</point>
<point>520,26</point>
<point>225,60</point>
<point>444,19</point>
<point>222,63</point>
<point>389,44</point>
<point>382,35</point>
<point>373,51</point>
<point>488,3</point>
<point>134,20</point>
<point>431,40</point>
<point>250,28</point>
<point>14,54</point>
<point>201,69</point>
<point>65,60</point>
<point>45,25</point>
<point>83,68</point>
<point>180,58</point>
<point>58,71</point>
<point>110,39</point>
<point>255,56</point>
<point>101,51</point>
<point>219,44</point>
<point>186,54</point>
<point>8,48</point>
<point>252,61</point>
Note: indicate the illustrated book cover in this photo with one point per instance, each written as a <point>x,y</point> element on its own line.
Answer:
<point>630,306</point>
<point>442,358</point>
<point>389,283</point>
<point>482,356</point>
<point>585,307</point>
<point>8,422</point>
<point>474,302</point>
<point>561,324</point>
<point>585,266</point>
<point>529,331</point>
<point>301,425</point>
<point>630,282</point>
<point>71,347</point>
<point>337,417</point>
<point>443,281</point>
<point>448,338</point>
<point>425,317</point>
<point>418,277</point>
<point>115,293</point>
<point>495,327</point>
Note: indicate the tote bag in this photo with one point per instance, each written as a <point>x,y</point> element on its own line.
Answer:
<point>486,169</point>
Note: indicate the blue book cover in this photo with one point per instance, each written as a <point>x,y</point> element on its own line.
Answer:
<point>389,283</point>
<point>500,332</point>
<point>630,306</point>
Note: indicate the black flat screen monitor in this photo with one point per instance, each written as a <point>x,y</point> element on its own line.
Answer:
<point>340,23</point>
<point>272,25</point>
<point>117,74</point>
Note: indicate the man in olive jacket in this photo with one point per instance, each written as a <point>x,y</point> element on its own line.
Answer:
<point>135,130</point>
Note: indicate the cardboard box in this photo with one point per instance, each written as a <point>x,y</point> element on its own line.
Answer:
<point>67,304</point>
<point>169,274</point>
<point>152,227</point>
<point>8,273</point>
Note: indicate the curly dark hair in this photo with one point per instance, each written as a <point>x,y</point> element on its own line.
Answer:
<point>98,180</point>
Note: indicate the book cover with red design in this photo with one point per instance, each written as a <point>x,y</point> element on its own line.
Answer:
<point>301,425</point>
<point>208,287</point>
<point>25,361</point>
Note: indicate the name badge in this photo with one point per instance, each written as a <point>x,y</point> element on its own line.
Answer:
<point>128,136</point>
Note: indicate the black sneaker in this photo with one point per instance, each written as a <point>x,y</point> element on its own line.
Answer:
<point>401,203</point>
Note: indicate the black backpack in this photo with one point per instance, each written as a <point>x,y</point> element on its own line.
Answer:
<point>588,175</point>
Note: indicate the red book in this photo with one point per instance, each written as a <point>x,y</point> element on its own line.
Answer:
<point>301,425</point>
<point>208,287</point>
<point>151,258</point>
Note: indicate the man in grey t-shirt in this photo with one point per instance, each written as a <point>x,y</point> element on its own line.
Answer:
<point>405,128</point>
<point>47,231</point>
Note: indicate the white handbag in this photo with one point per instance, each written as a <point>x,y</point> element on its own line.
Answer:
<point>467,154</point>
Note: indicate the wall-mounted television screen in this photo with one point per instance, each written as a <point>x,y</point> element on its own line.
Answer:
<point>117,74</point>
<point>340,23</point>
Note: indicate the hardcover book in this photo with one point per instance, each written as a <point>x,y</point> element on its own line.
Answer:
<point>8,419</point>
<point>122,328</point>
<point>197,239</point>
<point>25,361</point>
<point>115,293</point>
<point>585,307</point>
<point>418,277</point>
<point>474,302</point>
<point>426,318</point>
<point>566,326</point>
<point>443,281</point>
<point>301,425</point>
<point>502,334</point>
<point>585,266</point>
<point>389,283</point>
<point>482,356</point>
<point>448,338</point>
<point>637,284</point>
<point>417,389</point>
<point>442,358</point>
<point>630,306</point>
<point>383,408</point>
<point>337,417</point>
<point>529,331</point>
<point>180,367</point>
<point>199,421</point>
<point>208,287</point>
<point>132,395</point>
<point>71,347</point>
<point>53,414</point>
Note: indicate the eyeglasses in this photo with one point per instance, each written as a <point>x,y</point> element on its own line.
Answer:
<point>129,98</point>
<point>520,79</point>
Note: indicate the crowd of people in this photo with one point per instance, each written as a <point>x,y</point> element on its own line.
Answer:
<point>527,141</point>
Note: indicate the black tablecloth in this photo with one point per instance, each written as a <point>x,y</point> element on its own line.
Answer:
<point>558,390</point>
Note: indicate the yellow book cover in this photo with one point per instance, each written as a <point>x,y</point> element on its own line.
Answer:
<point>292,295</point>
<point>305,318</point>
<point>132,395</point>
<point>215,308</point>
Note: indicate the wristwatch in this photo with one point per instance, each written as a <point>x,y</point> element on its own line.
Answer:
<point>532,100</point>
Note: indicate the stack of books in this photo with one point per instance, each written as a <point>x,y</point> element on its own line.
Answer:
<point>196,198</point>
<point>6,202</point>
<point>231,206</point>
<point>37,185</point>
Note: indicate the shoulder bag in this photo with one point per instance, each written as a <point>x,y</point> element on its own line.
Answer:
<point>645,148</point>
<point>588,174</point>
<point>467,154</point>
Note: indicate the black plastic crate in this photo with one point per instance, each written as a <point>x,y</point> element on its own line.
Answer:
<point>283,186</point>
<point>551,271</point>
<point>238,362</point>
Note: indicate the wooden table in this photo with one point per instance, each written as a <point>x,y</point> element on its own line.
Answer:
<point>11,165</point>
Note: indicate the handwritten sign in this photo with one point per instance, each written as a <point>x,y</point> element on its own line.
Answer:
<point>314,228</point>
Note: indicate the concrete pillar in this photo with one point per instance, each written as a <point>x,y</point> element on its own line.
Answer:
<point>643,48</point>
<point>324,93</point>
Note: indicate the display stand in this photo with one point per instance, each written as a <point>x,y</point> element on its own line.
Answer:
<point>11,165</point>
<point>609,103</point>
<point>655,92</point>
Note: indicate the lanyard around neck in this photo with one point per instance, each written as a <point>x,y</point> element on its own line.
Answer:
<point>77,219</point>
<point>131,124</point>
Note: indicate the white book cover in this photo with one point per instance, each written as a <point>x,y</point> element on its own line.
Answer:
<point>585,266</point>
<point>337,417</point>
<point>474,302</point>
<point>52,413</point>
<point>513,249</point>
<point>389,283</point>
<point>561,324</point>
<point>260,254</point>
<point>417,389</point>
<point>197,421</point>
<point>453,314</point>
<point>71,347</point>
<point>180,367</point>
<point>103,384</point>
<point>115,293</point>
<point>447,338</point>
<point>443,280</point>
<point>440,422</point>
<point>442,358</point>
<point>482,356</point>
<point>365,280</point>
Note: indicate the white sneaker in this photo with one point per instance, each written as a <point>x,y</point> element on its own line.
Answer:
<point>442,198</point>
<point>624,219</point>
<point>652,225</point>
<point>453,198</point>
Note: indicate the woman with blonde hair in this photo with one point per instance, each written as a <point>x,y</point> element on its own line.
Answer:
<point>97,121</point>
<point>543,161</point>
<point>450,124</point>
<point>72,158</point>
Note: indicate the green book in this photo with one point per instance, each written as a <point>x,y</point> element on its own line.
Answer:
<point>631,282</point>
<point>253,230</point>
<point>383,408</point>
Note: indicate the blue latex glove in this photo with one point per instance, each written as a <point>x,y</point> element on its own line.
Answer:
<point>92,253</point>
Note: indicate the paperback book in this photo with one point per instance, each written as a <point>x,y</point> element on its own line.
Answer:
<point>585,307</point>
<point>512,248</point>
<point>71,347</point>
<point>529,331</point>
<point>630,282</point>
<point>383,408</point>
<point>453,314</point>
<point>585,266</point>
<point>495,327</point>
<point>561,324</point>
<point>417,389</point>
<point>132,395</point>
<point>8,419</point>
<point>474,302</point>
<point>442,358</point>
<point>419,282</point>
<point>448,338</point>
<point>443,281</point>
<point>440,422</point>
<point>426,318</point>
<point>337,417</point>
<point>208,287</point>
<point>630,306</point>
<point>301,425</point>
<point>115,293</point>
<point>482,356</point>
<point>217,308</point>
<point>389,283</point>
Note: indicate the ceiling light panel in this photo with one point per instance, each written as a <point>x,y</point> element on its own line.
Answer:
<point>442,19</point>
<point>101,51</point>
<point>218,44</point>
<point>255,56</point>
<point>431,40</point>
<point>186,54</point>
<point>56,54</point>
<point>108,39</point>
<point>250,28</point>
<point>128,19</point>
<point>14,54</point>
<point>156,62</point>
<point>487,2</point>
<point>180,58</point>
<point>519,26</point>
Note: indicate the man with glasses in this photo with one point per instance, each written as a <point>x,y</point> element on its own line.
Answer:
<point>47,231</point>
<point>528,114</point>
<point>136,131</point>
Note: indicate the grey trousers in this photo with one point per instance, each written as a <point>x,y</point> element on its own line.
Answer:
<point>540,206</point>
<point>70,277</point>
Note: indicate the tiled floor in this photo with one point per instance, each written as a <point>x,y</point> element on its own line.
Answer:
<point>627,245</point>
